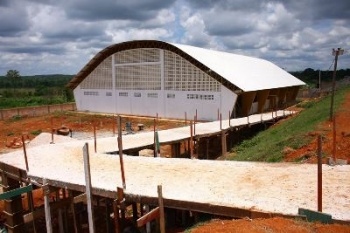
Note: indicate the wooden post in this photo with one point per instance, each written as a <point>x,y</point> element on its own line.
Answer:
<point>73,212</point>
<point>218,114</point>
<point>194,125</point>
<point>29,194</point>
<point>120,148</point>
<point>196,115</point>
<point>113,125</point>
<point>117,223</point>
<point>220,121</point>
<point>161,209</point>
<point>319,174</point>
<point>25,153</point>
<point>185,118</point>
<point>154,137</point>
<point>47,206</point>
<point>95,141</point>
<point>229,119</point>
<point>121,200</point>
<point>334,141</point>
<point>191,140</point>
<point>223,143</point>
<point>52,131</point>
<point>88,190</point>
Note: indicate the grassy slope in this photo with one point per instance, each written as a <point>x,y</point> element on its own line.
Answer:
<point>269,144</point>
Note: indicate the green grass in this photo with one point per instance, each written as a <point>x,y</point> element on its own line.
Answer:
<point>268,145</point>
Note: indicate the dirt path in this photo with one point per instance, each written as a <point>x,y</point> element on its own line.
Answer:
<point>12,129</point>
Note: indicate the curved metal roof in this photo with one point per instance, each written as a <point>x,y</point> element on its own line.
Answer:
<point>236,72</point>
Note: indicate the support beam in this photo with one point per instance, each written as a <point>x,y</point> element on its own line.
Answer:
<point>262,97</point>
<point>88,190</point>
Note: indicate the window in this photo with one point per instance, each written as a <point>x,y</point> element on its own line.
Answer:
<point>170,96</point>
<point>200,97</point>
<point>93,93</point>
<point>137,94</point>
<point>123,94</point>
<point>108,93</point>
<point>152,95</point>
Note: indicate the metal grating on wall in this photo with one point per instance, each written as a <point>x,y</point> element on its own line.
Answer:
<point>138,56</point>
<point>100,78</point>
<point>181,75</point>
<point>138,69</point>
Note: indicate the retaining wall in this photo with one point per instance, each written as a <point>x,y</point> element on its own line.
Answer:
<point>35,110</point>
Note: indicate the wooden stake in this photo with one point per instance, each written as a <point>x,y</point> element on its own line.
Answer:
<point>52,131</point>
<point>113,125</point>
<point>194,126</point>
<point>154,139</point>
<point>117,223</point>
<point>47,206</point>
<point>191,140</point>
<point>220,121</point>
<point>88,190</point>
<point>25,153</point>
<point>73,212</point>
<point>120,148</point>
<point>161,209</point>
<point>95,140</point>
<point>334,141</point>
<point>319,174</point>
<point>229,119</point>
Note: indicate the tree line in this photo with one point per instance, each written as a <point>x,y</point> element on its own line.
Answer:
<point>311,76</point>
<point>18,91</point>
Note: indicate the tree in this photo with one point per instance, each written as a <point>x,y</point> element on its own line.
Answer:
<point>14,77</point>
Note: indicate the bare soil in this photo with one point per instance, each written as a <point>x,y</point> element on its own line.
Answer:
<point>307,154</point>
<point>271,225</point>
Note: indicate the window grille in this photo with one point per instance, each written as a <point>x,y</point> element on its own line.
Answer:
<point>152,95</point>
<point>170,96</point>
<point>181,75</point>
<point>137,94</point>
<point>93,93</point>
<point>123,94</point>
<point>138,69</point>
<point>200,97</point>
<point>99,78</point>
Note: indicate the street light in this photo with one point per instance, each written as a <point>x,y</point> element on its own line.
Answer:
<point>335,53</point>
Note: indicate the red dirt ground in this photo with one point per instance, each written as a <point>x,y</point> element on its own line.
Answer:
<point>308,153</point>
<point>271,225</point>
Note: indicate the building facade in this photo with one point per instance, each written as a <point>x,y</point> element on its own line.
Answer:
<point>149,78</point>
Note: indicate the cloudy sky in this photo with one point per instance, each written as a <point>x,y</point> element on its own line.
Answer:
<point>61,36</point>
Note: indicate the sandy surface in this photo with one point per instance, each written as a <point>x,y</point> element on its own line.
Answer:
<point>278,188</point>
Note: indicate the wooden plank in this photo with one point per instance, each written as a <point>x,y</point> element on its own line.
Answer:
<point>314,216</point>
<point>120,148</point>
<point>79,198</point>
<point>88,188</point>
<point>161,209</point>
<point>153,214</point>
<point>47,207</point>
<point>16,192</point>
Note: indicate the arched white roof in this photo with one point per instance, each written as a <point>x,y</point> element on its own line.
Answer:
<point>247,73</point>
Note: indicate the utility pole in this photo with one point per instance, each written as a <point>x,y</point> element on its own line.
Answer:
<point>335,53</point>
